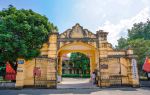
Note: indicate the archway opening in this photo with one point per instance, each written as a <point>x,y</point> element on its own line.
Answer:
<point>76,65</point>
<point>79,72</point>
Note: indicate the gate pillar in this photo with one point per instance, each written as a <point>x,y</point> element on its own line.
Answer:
<point>51,68</point>
<point>103,73</point>
<point>133,76</point>
<point>60,66</point>
<point>20,74</point>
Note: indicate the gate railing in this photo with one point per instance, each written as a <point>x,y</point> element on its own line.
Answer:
<point>43,67</point>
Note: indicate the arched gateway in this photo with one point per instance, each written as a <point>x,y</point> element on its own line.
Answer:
<point>113,67</point>
<point>81,47</point>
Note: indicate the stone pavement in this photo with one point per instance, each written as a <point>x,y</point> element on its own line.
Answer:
<point>96,91</point>
<point>76,83</point>
<point>78,86</point>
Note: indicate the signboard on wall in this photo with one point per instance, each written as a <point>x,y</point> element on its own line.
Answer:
<point>104,66</point>
<point>37,71</point>
<point>20,62</point>
<point>19,69</point>
<point>134,69</point>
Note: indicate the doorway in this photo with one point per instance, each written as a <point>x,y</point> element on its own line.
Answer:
<point>76,63</point>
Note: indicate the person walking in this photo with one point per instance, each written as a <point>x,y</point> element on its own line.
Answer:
<point>93,77</point>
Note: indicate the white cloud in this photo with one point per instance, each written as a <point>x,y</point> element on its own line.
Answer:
<point>120,29</point>
<point>146,2</point>
<point>95,12</point>
<point>113,16</point>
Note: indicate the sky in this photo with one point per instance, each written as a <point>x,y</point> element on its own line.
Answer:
<point>113,16</point>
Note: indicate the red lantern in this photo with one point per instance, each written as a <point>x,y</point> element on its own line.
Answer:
<point>146,66</point>
<point>10,72</point>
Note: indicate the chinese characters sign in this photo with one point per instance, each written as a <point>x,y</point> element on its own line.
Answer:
<point>134,68</point>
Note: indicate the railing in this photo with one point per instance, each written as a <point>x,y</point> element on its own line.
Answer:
<point>6,84</point>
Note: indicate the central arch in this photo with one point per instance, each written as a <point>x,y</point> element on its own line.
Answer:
<point>81,47</point>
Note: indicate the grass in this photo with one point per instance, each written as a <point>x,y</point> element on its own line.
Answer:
<point>3,80</point>
<point>76,75</point>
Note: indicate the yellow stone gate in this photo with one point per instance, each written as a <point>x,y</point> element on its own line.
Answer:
<point>113,67</point>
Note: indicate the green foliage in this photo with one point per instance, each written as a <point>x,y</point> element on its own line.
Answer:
<point>122,43</point>
<point>2,69</point>
<point>76,75</point>
<point>139,31</point>
<point>80,61</point>
<point>139,40</point>
<point>22,33</point>
<point>141,48</point>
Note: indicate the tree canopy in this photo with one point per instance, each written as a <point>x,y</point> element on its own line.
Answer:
<point>122,43</point>
<point>80,61</point>
<point>22,33</point>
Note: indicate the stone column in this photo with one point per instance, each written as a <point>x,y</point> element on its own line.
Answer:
<point>52,54</point>
<point>60,66</point>
<point>20,73</point>
<point>93,64</point>
<point>52,48</point>
<point>103,74</point>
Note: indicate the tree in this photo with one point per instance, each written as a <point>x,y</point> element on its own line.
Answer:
<point>139,31</point>
<point>141,48</point>
<point>22,33</point>
<point>80,61</point>
<point>122,43</point>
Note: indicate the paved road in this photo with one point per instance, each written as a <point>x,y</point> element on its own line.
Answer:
<point>100,91</point>
<point>73,86</point>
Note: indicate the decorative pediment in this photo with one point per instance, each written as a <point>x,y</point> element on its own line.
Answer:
<point>77,47</point>
<point>77,31</point>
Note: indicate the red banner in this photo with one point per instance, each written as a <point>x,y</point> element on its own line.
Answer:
<point>37,71</point>
<point>10,72</point>
<point>146,66</point>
